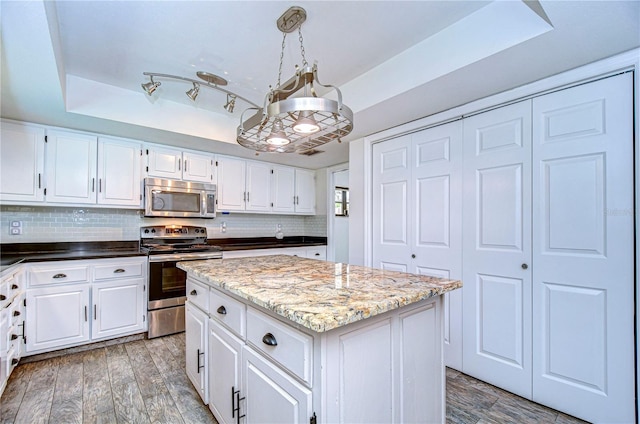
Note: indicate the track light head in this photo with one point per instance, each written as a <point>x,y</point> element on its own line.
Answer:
<point>193,93</point>
<point>231,103</point>
<point>150,87</point>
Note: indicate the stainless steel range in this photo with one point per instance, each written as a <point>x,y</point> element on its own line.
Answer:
<point>166,246</point>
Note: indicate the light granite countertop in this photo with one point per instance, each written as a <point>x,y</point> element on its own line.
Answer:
<point>318,295</point>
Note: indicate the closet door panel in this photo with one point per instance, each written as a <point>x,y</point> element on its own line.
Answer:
<point>497,247</point>
<point>583,316</point>
<point>391,203</point>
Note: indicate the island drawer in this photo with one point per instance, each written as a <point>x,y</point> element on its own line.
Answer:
<point>58,273</point>
<point>284,344</point>
<point>120,269</point>
<point>228,311</point>
<point>198,294</point>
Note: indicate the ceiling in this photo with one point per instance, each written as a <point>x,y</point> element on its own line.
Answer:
<point>79,64</point>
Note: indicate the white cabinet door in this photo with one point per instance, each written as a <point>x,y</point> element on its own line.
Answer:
<point>119,180</point>
<point>197,167</point>
<point>225,355</point>
<point>196,348</point>
<point>305,191</point>
<point>497,248</point>
<point>258,187</point>
<point>583,250</point>
<point>21,162</point>
<point>57,317</point>
<point>71,167</point>
<point>232,195</point>
<point>164,163</point>
<point>118,308</point>
<point>283,189</point>
<point>271,396</point>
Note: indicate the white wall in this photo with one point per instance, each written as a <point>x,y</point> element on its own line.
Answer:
<point>357,224</point>
<point>341,223</point>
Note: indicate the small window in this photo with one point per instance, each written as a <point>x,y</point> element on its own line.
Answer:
<point>341,200</point>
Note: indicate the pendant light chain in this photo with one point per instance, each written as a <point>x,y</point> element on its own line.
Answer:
<point>304,59</point>
<point>284,37</point>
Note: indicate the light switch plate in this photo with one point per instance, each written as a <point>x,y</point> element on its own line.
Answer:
<point>15,231</point>
<point>16,224</point>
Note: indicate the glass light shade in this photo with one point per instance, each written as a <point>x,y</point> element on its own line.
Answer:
<point>306,124</point>
<point>278,136</point>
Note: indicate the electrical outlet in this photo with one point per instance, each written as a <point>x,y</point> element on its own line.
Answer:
<point>223,227</point>
<point>15,228</point>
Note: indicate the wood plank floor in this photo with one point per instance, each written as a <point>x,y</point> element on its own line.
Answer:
<point>143,381</point>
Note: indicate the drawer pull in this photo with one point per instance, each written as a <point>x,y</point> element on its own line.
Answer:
<point>14,336</point>
<point>222,310</point>
<point>14,361</point>
<point>14,286</point>
<point>119,271</point>
<point>60,276</point>
<point>317,254</point>
<point>268,339</point>
<point>193,292</point>
<point>16,313</point>
<point>3,297</point>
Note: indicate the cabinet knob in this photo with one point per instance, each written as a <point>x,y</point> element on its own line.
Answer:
<point>193,292</point>
<point>16,313</point>
<point>3,297</point>
<point>14,361</point>
<point>222,310</point>
<point>14,286</point>
<point>14,336</point>
<point>118,271</point>
<point>413,256</point>
<point>60,276</point>
<point>524,266</point>
<point>269,340</point>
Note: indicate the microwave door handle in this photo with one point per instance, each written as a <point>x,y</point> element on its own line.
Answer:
<point>203,201</point>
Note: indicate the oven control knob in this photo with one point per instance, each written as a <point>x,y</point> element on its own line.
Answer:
<point>153,230</point>
<point>146,231</point>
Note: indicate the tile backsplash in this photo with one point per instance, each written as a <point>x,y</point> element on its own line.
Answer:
<point>47,224</point>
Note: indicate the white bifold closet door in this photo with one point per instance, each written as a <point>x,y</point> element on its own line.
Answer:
<point>417,195</point>
<point>497,247</point>
<point>583,250</point>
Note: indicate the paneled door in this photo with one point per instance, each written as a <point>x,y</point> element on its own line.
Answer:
<point>497,247</point>
<point>391,187</point>
<point>583,249</point>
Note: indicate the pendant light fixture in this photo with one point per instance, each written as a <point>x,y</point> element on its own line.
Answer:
<point>288,123</point>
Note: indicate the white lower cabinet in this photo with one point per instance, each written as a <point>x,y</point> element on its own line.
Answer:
<point>263,368</point>
<point>225,359</point>
<point>69,303</point>
<point>118,307</point>
<point>196,348</point>
<point>57,316</point>
<point>271,395</point>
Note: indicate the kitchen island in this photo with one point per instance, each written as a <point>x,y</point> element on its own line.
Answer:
<point>287,339</point>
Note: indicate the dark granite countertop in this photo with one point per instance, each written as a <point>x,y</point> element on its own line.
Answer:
<point>14,253</point>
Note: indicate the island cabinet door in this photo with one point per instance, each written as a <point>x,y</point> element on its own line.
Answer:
<point>270,395</point>
<point>196,342</point>
<point>225,355</point>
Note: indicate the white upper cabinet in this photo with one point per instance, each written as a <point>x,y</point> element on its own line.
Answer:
<point>305,183</point>
<point>71,167</point>
<point>175,164</point>
<point>231,184</point>
<point>243,185</point>
<point>119,180</point>
<point>258,186</point>
<point>83,170</point>
<point>21,154</point>
<point>261,187</point>
<point>283,189</point>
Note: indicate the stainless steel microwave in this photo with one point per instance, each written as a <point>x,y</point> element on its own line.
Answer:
<point>181,199</point>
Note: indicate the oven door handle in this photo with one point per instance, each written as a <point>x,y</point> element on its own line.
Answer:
<point>184,257</point>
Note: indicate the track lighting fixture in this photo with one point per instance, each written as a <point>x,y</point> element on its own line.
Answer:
<point>193,93</point>
<point>231,103</point>
<point>207,80</point>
